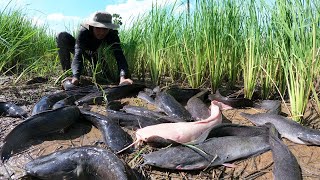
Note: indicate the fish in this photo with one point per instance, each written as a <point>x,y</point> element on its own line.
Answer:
<point>286,166</point>
<point>47,101</point>
<point>113,135</point>
<point>111,93</point>
<point>12,110</point>
<point>212,152</point>
<point>68,101</point>
<point>271,106</point>
<point>36,126</point>
<point>166,103</point>
<point>131,120</point>
<point>228,129</point>
<point>67,85</point>
<point>87,162</point>
<point>144,96</point>
<point>233,102</point>
<point>141,111</point>
<point>289,129</point>
<point>182,95</point>
<point>197,108</point>
<point>180,132</point>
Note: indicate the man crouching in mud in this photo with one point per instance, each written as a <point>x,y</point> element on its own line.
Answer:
<point>93,32</point>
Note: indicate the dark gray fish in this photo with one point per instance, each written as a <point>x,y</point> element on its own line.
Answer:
<point>113,135</point>
<point>131,120</point>
<point>112,93</point>
<point>144,96</point>
<point>67,85</point>
<point>197,108</point>
<point>12,110</point>
<point>237,130</point>
<point>212,152</point>
<point>46,102</point>
<point>271,106</point>
<point>68,101</point>
<point>141,111</point>
<point>286,166</point>
<point>85,162</point>
<point>166,103</point>
<point>233,102</point>
<point>287,128</point>
<point>36,126</point>
<point>182,95</point>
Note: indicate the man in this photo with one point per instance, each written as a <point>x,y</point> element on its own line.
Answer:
<point>93,32</point>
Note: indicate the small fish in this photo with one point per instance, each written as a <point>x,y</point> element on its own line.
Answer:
<point>12,110</point>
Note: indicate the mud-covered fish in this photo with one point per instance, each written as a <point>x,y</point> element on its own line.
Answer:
<point>212,152</point>
<point>287,128</point>
<point>233,102</point>
<point>111,93</point>
<point>113,135</point>
<point>169,105</point>
<point>12,110</point>
<point>36,126</point>
<point>286,166</point>
<point>85,162</point>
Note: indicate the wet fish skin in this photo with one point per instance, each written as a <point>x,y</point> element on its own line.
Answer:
<point>172,107</point>
<point>182,95</point>
<point>12,110</point>
<point>85,162</point>
<point>68,101</point>
<point>233,102</point>
<point>131,120</point>
<point>217,152</point>
<point>111,93</point>
<point>114,136</point>
<point>227,129</point>
<point>46,102</point>
<point>287,128</point>
<point>36,126</point>
<point>144,96</point>
<point>286,166</point>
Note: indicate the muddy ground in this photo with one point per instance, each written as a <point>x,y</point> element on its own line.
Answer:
<point>259,167</point>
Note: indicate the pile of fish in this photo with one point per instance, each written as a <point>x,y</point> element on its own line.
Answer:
<point>194,136</point>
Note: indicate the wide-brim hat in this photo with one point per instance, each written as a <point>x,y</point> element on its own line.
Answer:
<point>101,20</point>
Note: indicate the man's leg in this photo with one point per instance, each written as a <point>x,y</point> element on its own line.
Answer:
<point>65,43</point>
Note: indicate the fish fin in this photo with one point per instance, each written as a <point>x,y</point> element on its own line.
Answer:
<point>230,165</point>
<point>306,141</point>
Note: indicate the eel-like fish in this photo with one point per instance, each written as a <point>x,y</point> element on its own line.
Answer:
<point>197,108</point>
<point>286,166</point>
<point>85,162</point>
<point>68,101</point>
<point>287,128</point>
<point>229,129</point>
<point>169,105</point>
<point>114,136</point>
<point>46,102</point>
<point>271,106</point>
<point>12,110</point>
<point>233,102</point>
<point>111,93</point>
<point>38,125</point>
<point>144,96</point>
<point>131,120</point>
<point>141,111</point>
<point>212,152</point>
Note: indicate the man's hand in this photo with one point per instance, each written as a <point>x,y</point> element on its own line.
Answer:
<point>124,81</point>
<point>75,81</point>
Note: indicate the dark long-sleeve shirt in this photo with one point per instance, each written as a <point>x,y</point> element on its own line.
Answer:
<point>86,41</point>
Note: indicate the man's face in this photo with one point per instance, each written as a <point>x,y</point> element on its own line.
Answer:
<point>100,33</point>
